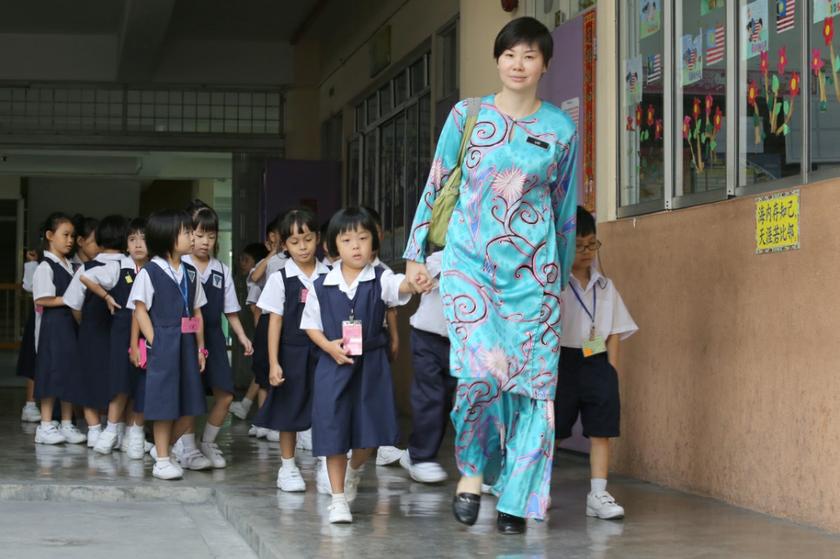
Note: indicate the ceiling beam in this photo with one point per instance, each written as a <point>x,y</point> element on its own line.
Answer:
<point>142,37</point>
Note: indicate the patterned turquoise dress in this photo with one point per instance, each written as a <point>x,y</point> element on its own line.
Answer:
<point>509,250</point>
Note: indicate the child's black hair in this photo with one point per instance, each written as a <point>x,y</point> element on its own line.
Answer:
<point>374,214</point>
<point>205,218</point>
<point>51,224</point>
<point>257,251</point>
<point>585,223</point>
<point>294,221</point>
<point>350,219</point>
<point>162,231</point>
<point>137,225</point>
<point>195,205</point>
<point>112,232</point>
<point>525,30</point>
<point>84,226</point>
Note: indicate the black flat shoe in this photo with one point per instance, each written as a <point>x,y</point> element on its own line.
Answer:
<point>509,524</point>
<point>465,508</point>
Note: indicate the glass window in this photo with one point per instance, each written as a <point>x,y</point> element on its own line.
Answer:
<point>824,134</point>
<point>642,119</point>
<point>372,109</point>
<point>385,101</point>
<point>770,134</point>
<point>400,88</point>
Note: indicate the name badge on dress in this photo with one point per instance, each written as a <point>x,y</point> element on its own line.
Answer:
<point>217,281</point>
<point>351,336</point>
<point>595,345</point>
<point>129,279</point>
<point>303,294</point>
<point>537,142</point>
<point>190,325</point>
<point>39,309</point>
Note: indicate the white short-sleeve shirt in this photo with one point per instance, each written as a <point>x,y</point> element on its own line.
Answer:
<point>429,316</point>
<point>142,289</point>
<point>108,276</point>
<point>28,275</point>
<point>389,282</point>
<point>611,316</point>
<point>42,280</point>
<point>273,297</point>
<point>74,297</point>
<point>231,303</point>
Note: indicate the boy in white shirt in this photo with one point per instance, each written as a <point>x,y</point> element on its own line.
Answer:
<point>595,320</point>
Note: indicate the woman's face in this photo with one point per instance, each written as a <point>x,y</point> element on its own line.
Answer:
<point>521,67</point>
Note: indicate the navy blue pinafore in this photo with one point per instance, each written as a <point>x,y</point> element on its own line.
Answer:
<point>26,355</point>
<point>353,405</point>
<point>288,407</point>
<point>217,373</point>
<point>124,377</point>
<point>259,361</point>
<point>173,381</point>
<point>90,386</point>
<point>57,355</point>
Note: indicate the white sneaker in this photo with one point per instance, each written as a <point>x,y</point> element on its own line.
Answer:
<point>603,506</point>
<point>262,432</point>
<point>252,431</point>
<point>135,442</point>
<point>48,435</point>
<point>213,454</point>
<point>351,485</point>
<point>304,440</point>
<point>147,446</point>
<point>73,435</point>
<point>239,410</point>
<point>289,479</point>
<point>106,442</point>
<point>387,455</point>
<point>93,436</point>
<point>322,478</point>
<point>340,512</point>
<point>120,436</point>
<point>424,472</point>
<point>273,436</point>
<point>30,413</point>
<point>193,459</point>
<point>166,469</point>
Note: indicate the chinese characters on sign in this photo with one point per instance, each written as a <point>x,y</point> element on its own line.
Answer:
<point>777,222</point>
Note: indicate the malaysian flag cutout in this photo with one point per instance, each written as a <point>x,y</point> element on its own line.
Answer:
<point>653,68</point>
<point>785,15</point>
<point>715,44</point>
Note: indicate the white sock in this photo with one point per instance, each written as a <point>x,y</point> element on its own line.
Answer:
<point>289,463</point>
<point>45,424</point>
<point>97,427</point>
<point>210,433</point>
<point>30,404</point>
<point>598,485</point>
<point>136,430</point>
<point>353,472</point>
<point>338,498</point>
<point>66,423</point>
<point>111,428</point>
<point>161,459</point>
<point>246,403</point>
<point>188,440</point>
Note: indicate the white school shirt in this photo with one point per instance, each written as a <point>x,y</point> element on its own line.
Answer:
<point>611,316</point>
<point>429,316</point>
<point>326,262</point>
<point>74,297</point>
<point>108,276</point>
<point>142,290</point>
<point>274,263</point>
<point>43,286</point>
<point>28,274</point>
<point>231,303</point>
<point>389,281</point>
<point>273,297</point>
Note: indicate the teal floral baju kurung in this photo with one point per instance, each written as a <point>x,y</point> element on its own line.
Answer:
<point>509,250</point>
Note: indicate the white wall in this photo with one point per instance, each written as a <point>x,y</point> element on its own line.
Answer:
<point>93,197</point>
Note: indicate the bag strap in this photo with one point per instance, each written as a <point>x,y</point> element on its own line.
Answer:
<point>473,107</point>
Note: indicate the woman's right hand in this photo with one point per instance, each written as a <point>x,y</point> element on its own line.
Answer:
<point>418,276</point>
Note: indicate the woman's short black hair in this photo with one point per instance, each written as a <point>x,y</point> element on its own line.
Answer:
<point>162,231</point>
<point>257,251</point>
<point>350,219</point>
<point>585,223</point>
<point>84,226</point>
<point>525,30</point>
<point>112,232</point>
<point>295,220</point>
<point>137,225</point>
<point>206,219</point>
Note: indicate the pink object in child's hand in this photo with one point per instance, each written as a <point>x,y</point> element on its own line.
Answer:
<point>141,352</point>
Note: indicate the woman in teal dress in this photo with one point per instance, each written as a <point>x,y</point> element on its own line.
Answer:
<point>509,249</point>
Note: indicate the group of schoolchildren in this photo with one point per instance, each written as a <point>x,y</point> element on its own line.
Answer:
<point>128,328</point>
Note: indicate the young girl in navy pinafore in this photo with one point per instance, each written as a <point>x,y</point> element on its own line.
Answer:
<point>123,376</point>
<point>90,386</point>
<point>353,405</point>
<point>259,362</point>
<point>173,381</point>
<point>57,355</point>
<point>288,407</point>
<point>217,372</point>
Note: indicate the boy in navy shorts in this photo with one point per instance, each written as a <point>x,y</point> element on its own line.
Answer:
<point>595,320</point>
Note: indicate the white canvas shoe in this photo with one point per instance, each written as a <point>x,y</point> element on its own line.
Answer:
<point>304,440</point>
<point>211,452</point>
<point>322,478</point>
<point>289,479</point>
<point>30,413</point>
<point>166,469</point>
<point>340,512</point>
<point>48,435</point>
<point>73,435</point>
<point>602,505</point>
<point>106,442</point>
<point>387,455</point>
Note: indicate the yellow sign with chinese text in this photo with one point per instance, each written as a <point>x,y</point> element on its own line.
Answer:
<point>777,222</point>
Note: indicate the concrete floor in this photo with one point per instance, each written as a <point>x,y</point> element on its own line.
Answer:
<point>93,504</point>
